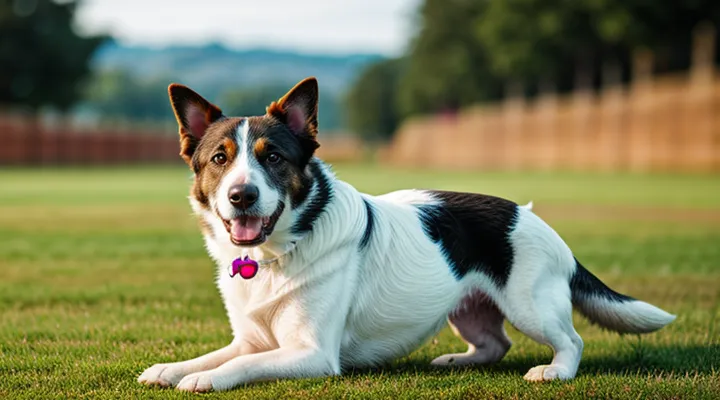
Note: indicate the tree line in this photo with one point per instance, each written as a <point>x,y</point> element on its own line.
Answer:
<point>472,51</point>
<point>463,52</point>
<point>45,63</point>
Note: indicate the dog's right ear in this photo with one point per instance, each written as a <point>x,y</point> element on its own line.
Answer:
<point>194,114</point>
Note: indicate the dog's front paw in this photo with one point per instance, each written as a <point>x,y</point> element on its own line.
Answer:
<point>543,373</point>
<point>164,375</point>
<point>199,382</point>
<point>448,360</point>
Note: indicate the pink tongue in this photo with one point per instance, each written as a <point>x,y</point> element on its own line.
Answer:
<point>245,230</point>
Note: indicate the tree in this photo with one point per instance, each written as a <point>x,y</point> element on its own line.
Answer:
<point>469,51</point>
<point>42,60</point>
<point>116,94</point>
<point>445,69</point>
<point>448,67</point>
<point>253,100</point>
<point>250,101</point>
<point>372,104</point>
<point>528,40</point>
<point>553,39</point>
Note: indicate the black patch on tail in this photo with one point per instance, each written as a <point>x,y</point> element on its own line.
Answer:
<point>474,232</point>
<point>369,225</point>
<point>317,202</point>
<point>584,284</point>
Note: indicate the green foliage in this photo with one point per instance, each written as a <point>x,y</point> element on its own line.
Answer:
<point>532,39</point>
<point>372,104</point>
<point>447,67</point>
<point>116,94</point>
<point>253,101</point>
<point>467,52</point>
<point>529,38</point>
<point>109,275</point>
<point>42,60</point>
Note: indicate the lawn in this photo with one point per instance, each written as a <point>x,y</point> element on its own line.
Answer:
<point>103,273</point>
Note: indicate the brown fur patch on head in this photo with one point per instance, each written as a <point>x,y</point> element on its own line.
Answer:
<point>230,147</point>
<point>188,143</point>
<point>261,146</point>
<point>274,109</point>
<point>289,128</point>
<point>219,139</point>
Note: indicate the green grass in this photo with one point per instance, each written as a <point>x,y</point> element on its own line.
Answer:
<point>103,273</point>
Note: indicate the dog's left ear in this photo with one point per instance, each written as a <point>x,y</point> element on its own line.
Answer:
<point>194,115</point>
<point>298,109</point>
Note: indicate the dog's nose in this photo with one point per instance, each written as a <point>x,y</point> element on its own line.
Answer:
<point>244,195</point>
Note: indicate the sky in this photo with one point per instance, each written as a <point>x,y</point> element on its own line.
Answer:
<point>310,26</point>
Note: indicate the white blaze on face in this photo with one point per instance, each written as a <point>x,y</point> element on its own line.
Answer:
<point>246,169</point>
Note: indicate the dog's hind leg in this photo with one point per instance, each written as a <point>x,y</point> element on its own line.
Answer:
<point>543,311</point>
<point>479,322</point>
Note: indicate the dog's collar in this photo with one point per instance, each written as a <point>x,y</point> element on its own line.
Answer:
<point>247,268</point>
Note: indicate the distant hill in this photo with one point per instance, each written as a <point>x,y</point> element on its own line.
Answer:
<point>213,68</point>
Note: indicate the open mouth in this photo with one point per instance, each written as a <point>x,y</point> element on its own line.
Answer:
<point>252,230</point>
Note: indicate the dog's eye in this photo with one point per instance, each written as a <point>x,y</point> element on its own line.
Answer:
<point>273,158</point>
<point>219,159</point>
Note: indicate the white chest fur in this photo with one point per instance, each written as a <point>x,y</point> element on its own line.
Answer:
<point>386,298</point>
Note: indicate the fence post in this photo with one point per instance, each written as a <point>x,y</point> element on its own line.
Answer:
<point>610,136</point>
<point>547,134</point>
<point>700,141</point>
<point>641,104</point>
<point>703,53</point>
<point>513,111</point>
<point>580,135</point>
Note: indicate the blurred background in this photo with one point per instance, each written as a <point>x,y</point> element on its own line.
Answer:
<point>605,113</point>
<point>496,85</point>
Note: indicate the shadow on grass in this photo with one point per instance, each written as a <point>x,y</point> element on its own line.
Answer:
<point>641,359</point>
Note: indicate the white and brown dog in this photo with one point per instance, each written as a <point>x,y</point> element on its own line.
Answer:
<point>338,279</point>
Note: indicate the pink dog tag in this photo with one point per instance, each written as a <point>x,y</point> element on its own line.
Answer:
<point>246,267</point>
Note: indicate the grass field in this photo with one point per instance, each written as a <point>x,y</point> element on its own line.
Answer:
<point>103,273</point>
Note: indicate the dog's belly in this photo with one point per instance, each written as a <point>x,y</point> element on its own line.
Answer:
<point>390,321</point>
<point>360,350</point>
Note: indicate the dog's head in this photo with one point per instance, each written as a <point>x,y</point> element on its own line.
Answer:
<point>249,171</point>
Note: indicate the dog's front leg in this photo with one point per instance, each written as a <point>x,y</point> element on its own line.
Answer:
<point>170,374</point>
<point>274,364</point>
<point>308,321</point>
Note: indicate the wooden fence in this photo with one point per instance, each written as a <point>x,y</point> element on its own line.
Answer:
<point>29,141</point>
<point>666,123</point>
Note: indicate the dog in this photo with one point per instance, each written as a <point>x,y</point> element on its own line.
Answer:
<point>317,277</point>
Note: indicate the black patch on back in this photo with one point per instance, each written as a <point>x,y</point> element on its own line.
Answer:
<point>317,202</point>
<point>369,225</point>
<point>584,284</point>
<point>473,230</point>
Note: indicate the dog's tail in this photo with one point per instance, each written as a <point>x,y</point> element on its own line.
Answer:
<point>612,310</point>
